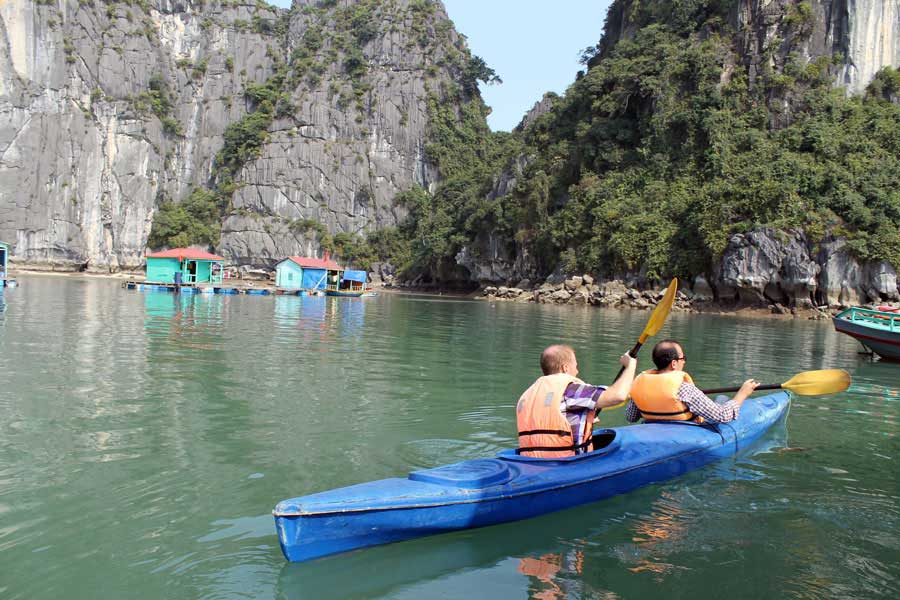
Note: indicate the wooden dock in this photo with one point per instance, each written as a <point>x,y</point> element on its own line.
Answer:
<point>197,288</point>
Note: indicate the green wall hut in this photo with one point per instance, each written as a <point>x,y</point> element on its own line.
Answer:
<point>187,264</point>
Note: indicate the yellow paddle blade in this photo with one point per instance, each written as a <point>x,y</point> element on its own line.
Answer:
<point>818,383</point>
<point>660,312</point>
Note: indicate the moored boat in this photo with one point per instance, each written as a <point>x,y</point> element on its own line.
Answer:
<point>482,492</point>
<point>344,293</point>
<point>877,330</point>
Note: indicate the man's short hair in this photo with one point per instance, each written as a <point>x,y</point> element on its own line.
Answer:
<point>555,357</point>
<point>664,353</point>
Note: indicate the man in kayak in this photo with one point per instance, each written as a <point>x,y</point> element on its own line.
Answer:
<point>556,414</point>
<point>668,393</point>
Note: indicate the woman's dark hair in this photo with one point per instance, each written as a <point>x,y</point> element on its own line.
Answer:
<point>664,353</point>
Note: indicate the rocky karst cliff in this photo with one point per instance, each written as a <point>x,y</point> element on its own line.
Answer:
<point>108,109</point>
<point>726,157</point>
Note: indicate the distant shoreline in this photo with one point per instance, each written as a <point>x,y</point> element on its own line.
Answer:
<point>708,308</point>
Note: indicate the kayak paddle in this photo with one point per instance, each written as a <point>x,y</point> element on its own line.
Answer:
<point>807,383</point>
<point>657,318</point>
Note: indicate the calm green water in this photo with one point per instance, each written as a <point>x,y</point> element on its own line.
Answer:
<point>145,438</point>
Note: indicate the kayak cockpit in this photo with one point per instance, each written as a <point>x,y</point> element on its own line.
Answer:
<point>605,442</point>
<point>487,472</point>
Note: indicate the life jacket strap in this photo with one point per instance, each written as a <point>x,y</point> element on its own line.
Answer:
<point>546,432</point>
<point>575,447</point>
<point>665,414</point>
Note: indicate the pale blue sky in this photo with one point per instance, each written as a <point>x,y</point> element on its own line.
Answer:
<point>533,45</point>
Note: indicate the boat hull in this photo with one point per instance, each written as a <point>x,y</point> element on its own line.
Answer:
<point>880,340</point>
<point>343,294</point>
<point>484,492</point>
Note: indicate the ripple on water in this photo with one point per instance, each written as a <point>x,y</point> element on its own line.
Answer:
<point>426,454</point>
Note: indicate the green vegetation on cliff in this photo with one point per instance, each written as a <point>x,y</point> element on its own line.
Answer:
<point>664,148</point>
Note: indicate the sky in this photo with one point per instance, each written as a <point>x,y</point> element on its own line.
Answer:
<point>533,45</point>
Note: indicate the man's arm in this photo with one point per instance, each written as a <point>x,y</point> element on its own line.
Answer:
<point>702,406</point>
<point>619,390</point>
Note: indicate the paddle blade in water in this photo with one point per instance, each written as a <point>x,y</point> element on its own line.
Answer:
<point>660,312</point>
<point>818,383</point>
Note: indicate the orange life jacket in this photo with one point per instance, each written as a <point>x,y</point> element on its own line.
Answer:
<point>543,430</point>
<point>656,395</point>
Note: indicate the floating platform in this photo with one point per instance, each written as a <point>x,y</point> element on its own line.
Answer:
<point>206,288</point>
<point>193,288</point>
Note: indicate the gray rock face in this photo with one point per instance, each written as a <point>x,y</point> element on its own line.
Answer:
<point>341,163</point>
<point>866,33</point>
<point>767,266</point>
<point>83,157</point>
<point>87,152</point>
<point>540,107</point>
<point>843,281</point>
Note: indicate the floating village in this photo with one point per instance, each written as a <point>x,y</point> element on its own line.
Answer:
<point>188,270</point>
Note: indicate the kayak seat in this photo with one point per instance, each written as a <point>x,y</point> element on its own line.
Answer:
<point>472,474</point>
<point>605,442</point>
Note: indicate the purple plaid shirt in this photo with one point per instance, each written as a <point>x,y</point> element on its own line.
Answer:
<point>578,401</point>
<point>699,403</point>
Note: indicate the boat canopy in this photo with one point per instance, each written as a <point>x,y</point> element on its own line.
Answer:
<point>355,276</point>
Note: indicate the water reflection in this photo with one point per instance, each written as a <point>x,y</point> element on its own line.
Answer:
<point>187,320</point>
<point>549,553</point>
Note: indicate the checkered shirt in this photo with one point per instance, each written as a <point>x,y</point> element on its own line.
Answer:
<point>578,402</point>
<point>698,403</point>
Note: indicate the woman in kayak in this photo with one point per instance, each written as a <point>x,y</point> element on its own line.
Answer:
<point>668,393</point>
<point>556,414</point>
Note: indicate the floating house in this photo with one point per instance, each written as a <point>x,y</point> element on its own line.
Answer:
<point>185,266</point>
<point>4,266</point>
<point>310,274</point>
<point>352,283</point>
<point>4,259</point>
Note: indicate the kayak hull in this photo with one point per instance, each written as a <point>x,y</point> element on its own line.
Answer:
<point>483,492</point>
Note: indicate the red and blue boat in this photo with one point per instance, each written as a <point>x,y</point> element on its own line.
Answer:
<point>509,487</point>
<point>877,329</point>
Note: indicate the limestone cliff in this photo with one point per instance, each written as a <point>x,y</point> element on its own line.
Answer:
<point>108,108</point>
<point>773,50</point>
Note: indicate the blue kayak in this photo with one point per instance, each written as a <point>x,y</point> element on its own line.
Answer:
<point>481,492</point>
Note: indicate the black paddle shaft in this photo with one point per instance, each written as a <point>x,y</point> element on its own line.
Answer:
<point>771,386</point>
<point>633,353</point>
